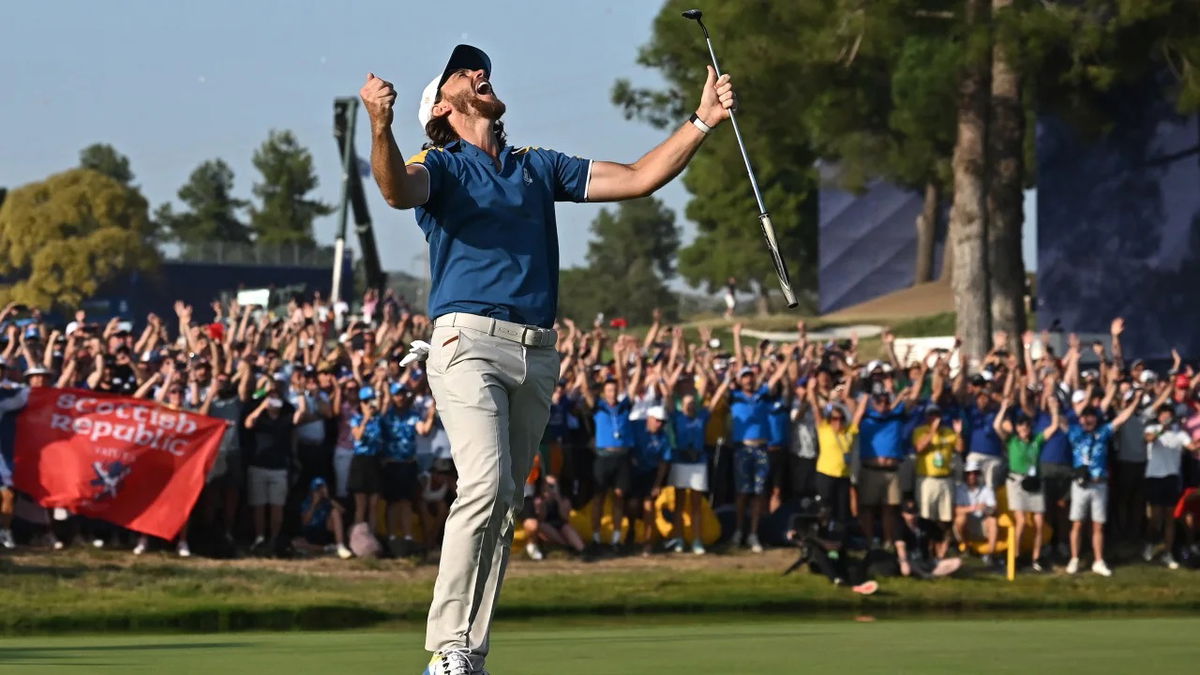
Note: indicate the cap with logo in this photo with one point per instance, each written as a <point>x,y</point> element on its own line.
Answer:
<point>463,56</point>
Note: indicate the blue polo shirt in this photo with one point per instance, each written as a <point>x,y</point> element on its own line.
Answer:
<point>778,421</point>
<point>879,433</point>
<point>689,431</point>
<point>493,240</point>
<point>983,438</point>
<point>650,451</point>
<point>1057,449</point>
<point>750,413</point>
<point>613,429</point>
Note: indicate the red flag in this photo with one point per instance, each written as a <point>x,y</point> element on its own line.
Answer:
<point>128,461</point>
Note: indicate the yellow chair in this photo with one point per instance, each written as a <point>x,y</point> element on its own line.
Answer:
<point>1005,522</point>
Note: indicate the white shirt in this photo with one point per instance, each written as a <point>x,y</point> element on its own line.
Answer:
<point>643,402</point>
<point>1165,453</point>
<point>965,495</point>
<point>805,431</point>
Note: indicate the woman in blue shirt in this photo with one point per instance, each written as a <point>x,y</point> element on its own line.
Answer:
<point>367,430</point>
<point>689,471</point>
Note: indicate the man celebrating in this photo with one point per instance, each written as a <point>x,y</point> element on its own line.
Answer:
<point>487,211</point>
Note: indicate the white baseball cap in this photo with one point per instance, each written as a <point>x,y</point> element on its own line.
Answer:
<point>463,56</point>
<point>657,412</point>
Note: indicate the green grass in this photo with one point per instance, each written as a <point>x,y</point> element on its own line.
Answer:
<point>665,647</point>
<point>86,591</point>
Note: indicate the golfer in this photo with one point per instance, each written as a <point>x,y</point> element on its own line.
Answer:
<point>487,211</point>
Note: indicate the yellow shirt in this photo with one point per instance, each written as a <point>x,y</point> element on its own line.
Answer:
<point>833,449</point>
<point>718,423</point>
<point>936,460</point>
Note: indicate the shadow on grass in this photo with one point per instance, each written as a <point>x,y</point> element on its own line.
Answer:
<point>320,617</point>
<point>69,655</point>
<point>10,568</point>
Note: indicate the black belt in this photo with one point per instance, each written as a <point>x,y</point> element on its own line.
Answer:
<point>885,469</point>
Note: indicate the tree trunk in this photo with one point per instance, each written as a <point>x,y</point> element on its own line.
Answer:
<point>762,300</point>
<point>968,228</point>
<point>1006,139</point>
<point>947,258</point>
<point>927,233</point>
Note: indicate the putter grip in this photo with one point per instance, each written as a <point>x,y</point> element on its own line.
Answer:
<point>785,282</point>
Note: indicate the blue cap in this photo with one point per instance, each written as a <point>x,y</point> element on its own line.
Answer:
<point>366,393</point>
<point>397,388</point>
<point>317,482</point>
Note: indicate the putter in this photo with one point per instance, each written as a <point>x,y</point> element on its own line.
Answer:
<point>764,218</point>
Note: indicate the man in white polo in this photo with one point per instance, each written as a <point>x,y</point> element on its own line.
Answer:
<point>487,211</point>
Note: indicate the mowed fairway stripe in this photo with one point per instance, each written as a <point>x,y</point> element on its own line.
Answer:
<point>653,646</point>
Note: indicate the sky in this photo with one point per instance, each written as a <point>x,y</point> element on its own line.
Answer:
<point>172,84</point>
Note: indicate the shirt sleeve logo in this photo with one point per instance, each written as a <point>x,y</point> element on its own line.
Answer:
<point>525,174</point>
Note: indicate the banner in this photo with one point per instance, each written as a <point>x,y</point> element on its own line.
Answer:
<point>129,461</point>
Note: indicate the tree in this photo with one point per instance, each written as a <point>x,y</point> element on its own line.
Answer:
<point>211,213</point>
<point>104,158</point>
<point>1005,198</point>
<point>968,233</point>
<point>630,256</point>
<point>66,236</point>
<point>284,215</point>
<point>729,242</point>
<point>883,103</point>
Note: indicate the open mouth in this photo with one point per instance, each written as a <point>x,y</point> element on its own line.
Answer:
<point>483,88</point>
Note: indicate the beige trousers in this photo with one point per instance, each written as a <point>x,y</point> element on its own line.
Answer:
<point>493,396</point>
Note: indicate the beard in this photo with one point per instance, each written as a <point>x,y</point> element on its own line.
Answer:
<point>469,102</point>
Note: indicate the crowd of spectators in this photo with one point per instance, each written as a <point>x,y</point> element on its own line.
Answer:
<point>332,434</point>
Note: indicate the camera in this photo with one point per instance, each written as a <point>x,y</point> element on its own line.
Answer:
<point>807,520</point>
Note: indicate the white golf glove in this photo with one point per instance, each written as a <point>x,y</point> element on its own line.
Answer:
<point>419,351</point>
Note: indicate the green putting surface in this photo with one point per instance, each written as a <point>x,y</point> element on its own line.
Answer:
<point>663,646</point>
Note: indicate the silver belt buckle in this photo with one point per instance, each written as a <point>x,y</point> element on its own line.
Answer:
<point>508,330</point>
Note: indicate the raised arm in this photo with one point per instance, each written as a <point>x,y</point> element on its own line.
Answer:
<point>1071,374</point>
<point>1125,414</point>
<point>810,394</point>
<point>585,390</point>
<point>921,444</point>
<point>776,377</point>
<point>652,333</point>
<point>889,349</point>
<point>1117,327</point>
<point>1110,395</point>
<point>722,390</point>
<point>739,360</point>
<point>611,181</point>
<point>1055,419</point>
<point>861,410</point>
<point>998,423</point>
<point>426,425</point>
<point>403,186</point>
<point>1162,398</point>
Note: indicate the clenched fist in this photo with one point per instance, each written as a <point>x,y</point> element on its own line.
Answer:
<point>378,96</point>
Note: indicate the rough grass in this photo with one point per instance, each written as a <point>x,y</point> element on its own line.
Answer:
<point>111,591</point>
